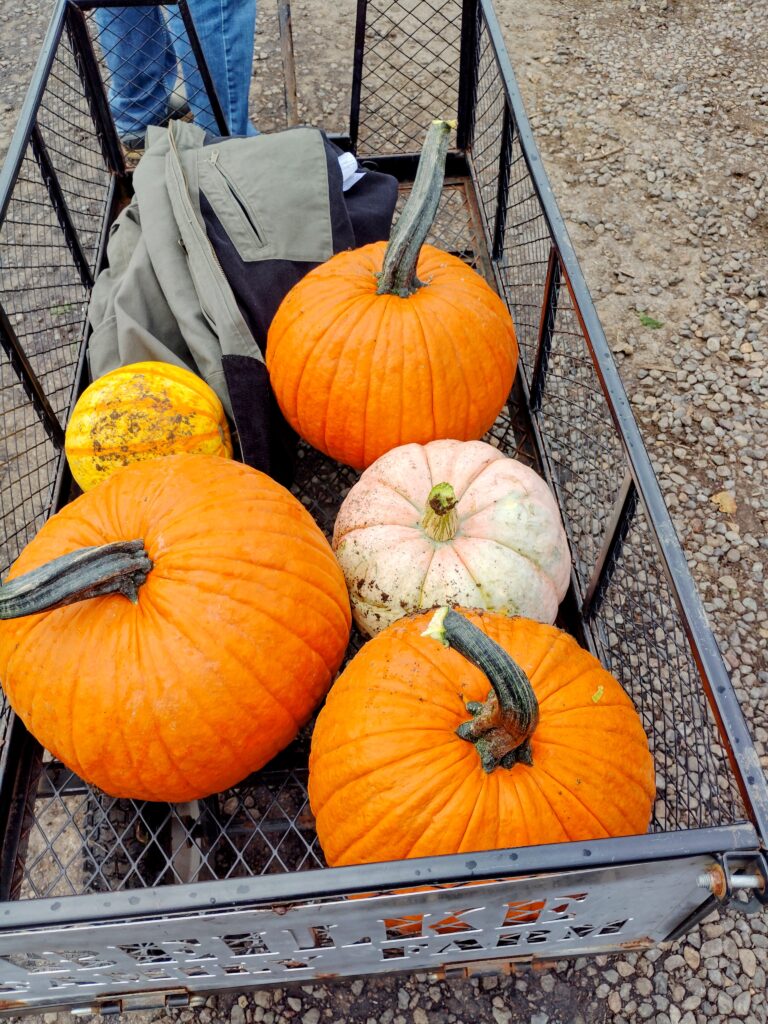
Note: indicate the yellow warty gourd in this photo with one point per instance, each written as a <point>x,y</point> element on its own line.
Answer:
<point>143,411</point>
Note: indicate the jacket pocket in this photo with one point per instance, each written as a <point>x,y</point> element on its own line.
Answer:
<point>231,205</point>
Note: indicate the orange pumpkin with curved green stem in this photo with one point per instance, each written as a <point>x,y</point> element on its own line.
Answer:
<point>216,618</point>
<point>393,343</point>
<point>412,756</point>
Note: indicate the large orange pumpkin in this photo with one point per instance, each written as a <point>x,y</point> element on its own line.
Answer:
<point>237,622</point>
<point>393,343</point>
<point>412,756</point>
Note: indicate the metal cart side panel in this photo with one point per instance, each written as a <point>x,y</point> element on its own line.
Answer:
<point>576,912</point>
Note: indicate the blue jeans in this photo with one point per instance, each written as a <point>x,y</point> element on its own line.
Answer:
<point>142,47</point>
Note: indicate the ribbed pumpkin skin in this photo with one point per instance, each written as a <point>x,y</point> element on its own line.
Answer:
<point>389,779</point>
<point>238,632</point>
<point>356,373</point>
<point>143,411</point>
<point>509,555</point>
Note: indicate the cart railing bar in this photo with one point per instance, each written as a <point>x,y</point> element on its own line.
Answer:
<point>546,328</point>
<point>94,90</point>
<point>59,203</point>
<point>28,379</point>
<point>285,27</point>
<point>357,73</point>
<point>469,62</point>
<point>706,653</point>
<point>9,171</point>
<point>329,883</point>
<point>622,516</point>
<point>202,66</point>
<point>505,155</point>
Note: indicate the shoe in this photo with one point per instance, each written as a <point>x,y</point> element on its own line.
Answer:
<point>178,109</point>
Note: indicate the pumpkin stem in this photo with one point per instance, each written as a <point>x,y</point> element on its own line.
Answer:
<point>441,520</point>
<point>398,271</point>
<point>118,568</point>
<point>501,728</point>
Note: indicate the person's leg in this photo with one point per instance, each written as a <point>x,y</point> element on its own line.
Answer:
<point>142,65</point>
<point>226,30</point>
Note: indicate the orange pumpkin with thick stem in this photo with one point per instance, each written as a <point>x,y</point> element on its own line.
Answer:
<point>393,343</point>
<point>412,756</point>
<point>219,620</point>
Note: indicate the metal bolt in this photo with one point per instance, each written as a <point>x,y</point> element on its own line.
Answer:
<point>714,880</point>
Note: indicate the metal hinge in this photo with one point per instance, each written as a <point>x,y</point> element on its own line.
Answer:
<point>726,884</point>
<point>159,999</point>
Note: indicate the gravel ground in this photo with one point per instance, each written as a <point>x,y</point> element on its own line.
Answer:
<point>652,122</point>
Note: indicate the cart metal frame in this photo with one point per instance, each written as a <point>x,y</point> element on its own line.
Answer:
<point>165,903</point>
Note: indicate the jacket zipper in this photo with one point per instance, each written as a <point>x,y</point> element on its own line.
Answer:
<point>222,283</point>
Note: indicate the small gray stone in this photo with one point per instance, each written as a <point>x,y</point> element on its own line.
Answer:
<point>540,1018</point>
<point>420,1017</point>
<point>500,1014</point>
<point>673,962</point>
<point>237,1014</point>
<point>748,961</point>
<point>294,1003</point>
<point>714,947</point>
<point>724,1003</point>
<point>741,1004</point>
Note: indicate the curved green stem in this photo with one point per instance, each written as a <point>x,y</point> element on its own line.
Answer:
<point>502,726</point>
<point>118,568</point>
<point>441,520</point>
<point>398,271</point>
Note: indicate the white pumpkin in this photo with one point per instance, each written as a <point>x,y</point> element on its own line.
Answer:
<point>450,523</point>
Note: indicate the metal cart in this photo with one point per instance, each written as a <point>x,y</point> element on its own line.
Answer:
<point>110,904</point>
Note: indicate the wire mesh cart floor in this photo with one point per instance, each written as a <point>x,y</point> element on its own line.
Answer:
<point>110,901</point>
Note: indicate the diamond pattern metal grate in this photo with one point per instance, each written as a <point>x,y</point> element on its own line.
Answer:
<point>410,72</point>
